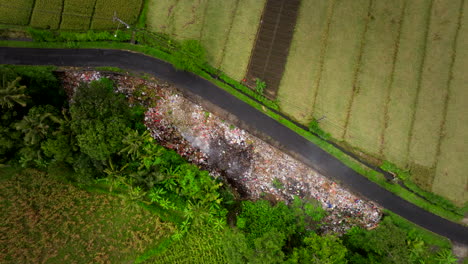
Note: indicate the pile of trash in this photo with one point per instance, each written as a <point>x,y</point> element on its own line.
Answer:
<point>252,167</point>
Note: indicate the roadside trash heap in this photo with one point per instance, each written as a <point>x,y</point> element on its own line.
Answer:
<point>254,168</point>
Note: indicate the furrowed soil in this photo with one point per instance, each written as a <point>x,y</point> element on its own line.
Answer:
<point>341,62</point>
<point>272,45</point>
<point>47,20</point>
<point>403,92</point>
<point>436,72</point>
<point>303,70</point>
<point>450,178</point>
<point>241,39</point>
<point>367,113</point>
<point>15,12</point>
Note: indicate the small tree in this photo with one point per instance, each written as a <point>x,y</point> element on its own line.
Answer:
<point>12,93</point>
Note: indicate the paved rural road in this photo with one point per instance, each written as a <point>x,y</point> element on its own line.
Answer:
<point>251,117</point>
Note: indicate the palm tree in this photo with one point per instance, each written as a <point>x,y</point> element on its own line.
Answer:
<point>11,93</point>
<point>133,142</point>
<point>35,127</point>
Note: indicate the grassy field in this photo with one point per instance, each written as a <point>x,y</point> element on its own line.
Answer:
<point>201,245</point>
<point>218,21</point>
<point>126,10</point>
<point>50,20</point>
<point>435,75</point>
<point>341,63</point>
<point>403,92</point>
<point>69,14</point>
<point>15,12</point>
<point>45,220</point>
<point>450,178</point>
<point>380,47</point>
<point>226,29</point>
<point>78,14</point>
<point>380,73</point>
<point>305,61</point>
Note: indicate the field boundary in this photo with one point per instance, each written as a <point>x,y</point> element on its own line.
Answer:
<point>323,51</point>
<point>223,51</point>
<point>392,77</point>
<point>420,77</point>
<point>449,84</point>
<point>358,69</point>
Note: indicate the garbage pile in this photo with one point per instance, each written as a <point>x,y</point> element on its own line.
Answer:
<point>253,168</point>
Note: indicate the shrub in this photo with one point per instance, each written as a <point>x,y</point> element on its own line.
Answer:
<point>314,127</point>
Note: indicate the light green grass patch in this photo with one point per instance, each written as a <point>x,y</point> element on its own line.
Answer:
<point>188,19</point>
<point>200,245</point>
<point>403,91</point>
<point>15,12</point>
<point>77,14</point>
<point>433,91</point>
<point>126,10</point>
<point>366,122</point>
<point>45,220</point>
<point>451,174</point>
<point>241,38</point>
<point>41,18</point>
<point>341,61</point>
<point>159,15</point>
<point>302,72</point>
<point>217,23</point>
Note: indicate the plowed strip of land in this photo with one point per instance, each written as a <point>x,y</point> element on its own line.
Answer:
<point>77,14</point>
<point>433,91</point>
<point>15,12</point>
<point>341,61</point>
<point>272,46</point>
<point>241,38</point>
<point>50,20</point>
<point>403,92</point>
<point>450,179</point>
<point>299,83</point>
<point>217,23</point>
<point>366,121</point>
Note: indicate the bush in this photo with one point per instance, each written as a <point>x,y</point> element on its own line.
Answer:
<point>190,56</point>
<point>314,127</point>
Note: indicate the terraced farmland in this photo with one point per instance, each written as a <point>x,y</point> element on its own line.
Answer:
<point>388,77</point>
<point>227,29</point>
<point>69,14</point>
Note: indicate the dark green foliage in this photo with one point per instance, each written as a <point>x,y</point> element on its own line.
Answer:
<point>11,93</point>
<point>326,249</point>
<point>190,56</point>
<point>258,218</point>
<point>40,35</point>
<point>259,86</point>
<point>314,127</point>
<point>100,119</point>
<point>42,85</point>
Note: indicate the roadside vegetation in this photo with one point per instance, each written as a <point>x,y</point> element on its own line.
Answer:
<point>90,178</point>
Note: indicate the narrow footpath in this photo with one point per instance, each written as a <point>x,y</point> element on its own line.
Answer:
<point>250,118</point>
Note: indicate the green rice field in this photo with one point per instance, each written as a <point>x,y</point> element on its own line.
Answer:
<point>388,78</point>
<point>226,29</point>
<point>69,14</point>
<point>47,221</point>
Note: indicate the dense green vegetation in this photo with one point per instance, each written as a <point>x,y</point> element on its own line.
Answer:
<point>51,135</point>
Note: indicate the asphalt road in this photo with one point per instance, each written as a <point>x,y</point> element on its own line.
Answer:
<point>304,149</point>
